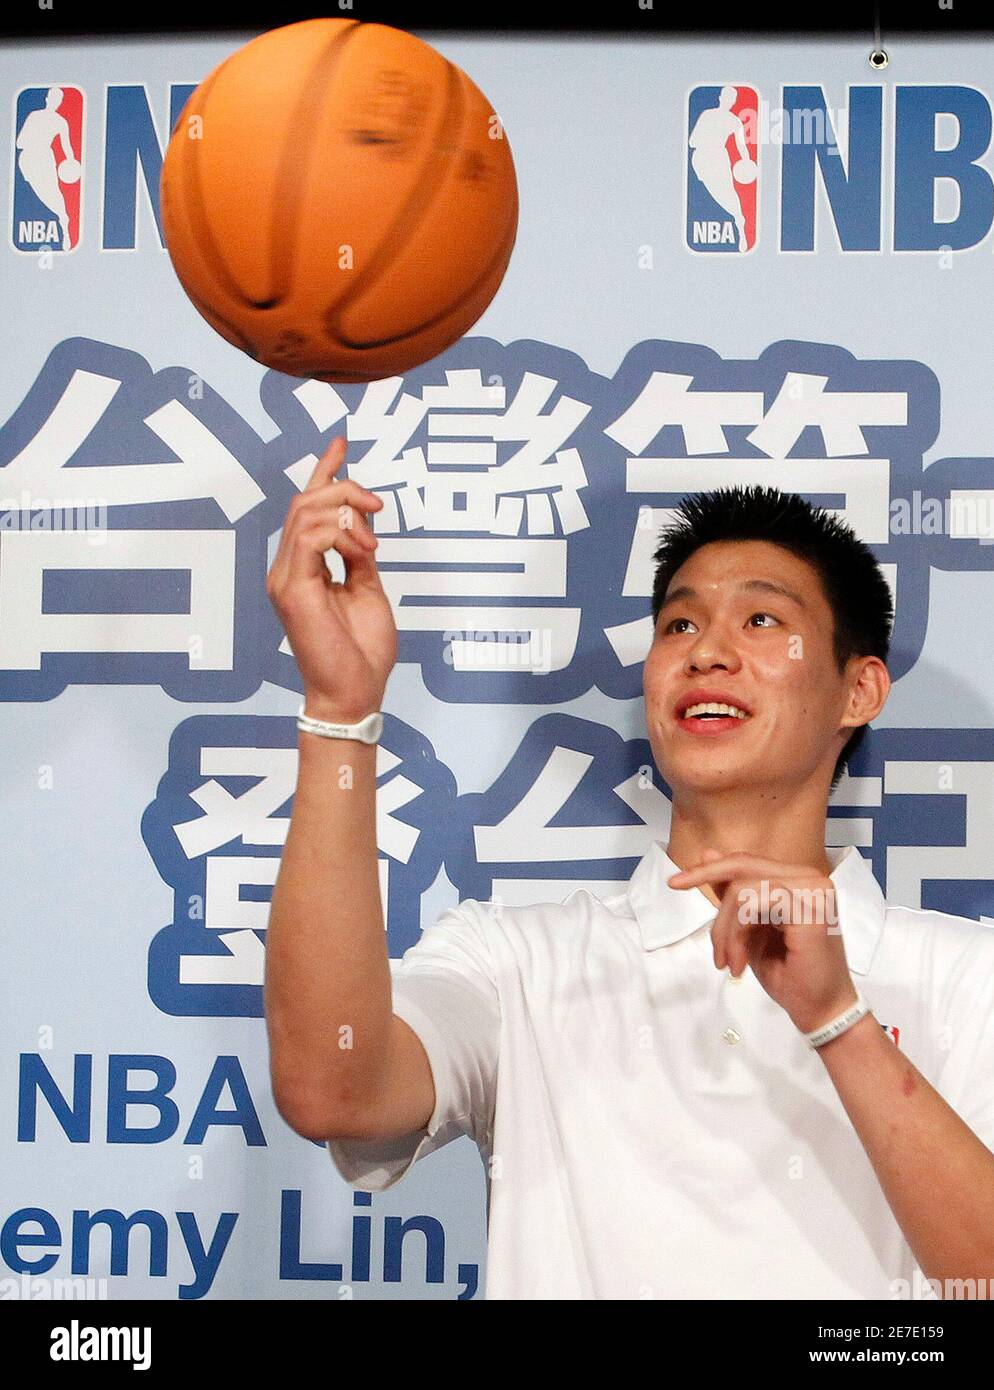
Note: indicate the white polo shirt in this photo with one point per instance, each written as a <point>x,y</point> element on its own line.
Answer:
<point>651,1128</point>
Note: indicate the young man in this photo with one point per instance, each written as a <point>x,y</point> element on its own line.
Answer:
<point>677,1091</point>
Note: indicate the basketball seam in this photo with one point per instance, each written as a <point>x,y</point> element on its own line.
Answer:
<point>208,312</point>
<point>422,203</point>
<point>503,254</point>
<point>196,204</point>
<point>408,216</point>
<point>193,199</point>
<point>294,167</point>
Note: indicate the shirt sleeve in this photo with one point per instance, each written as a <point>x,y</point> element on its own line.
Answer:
<point>445,989</point>
<point>967,1074</point>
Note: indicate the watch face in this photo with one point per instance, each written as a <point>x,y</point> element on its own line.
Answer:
<point>370,728</point>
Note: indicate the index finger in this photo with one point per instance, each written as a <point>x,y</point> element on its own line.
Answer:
<point>733,866</point>
<point>328,464</point>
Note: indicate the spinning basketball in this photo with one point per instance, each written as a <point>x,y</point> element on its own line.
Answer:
<point>339,201</point>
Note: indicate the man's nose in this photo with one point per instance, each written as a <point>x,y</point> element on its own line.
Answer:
<point>713,648</point>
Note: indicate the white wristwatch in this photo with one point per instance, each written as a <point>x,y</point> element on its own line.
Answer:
<point>368,730</point>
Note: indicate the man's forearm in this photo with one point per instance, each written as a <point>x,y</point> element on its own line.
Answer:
<point>327,991</point>
<point>937,1176</point>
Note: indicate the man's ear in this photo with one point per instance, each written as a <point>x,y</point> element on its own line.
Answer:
<point>868,690</point>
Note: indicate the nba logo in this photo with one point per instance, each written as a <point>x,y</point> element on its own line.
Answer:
<point>722,170</point>
<point>893,1033</point>
<point>48,169</point>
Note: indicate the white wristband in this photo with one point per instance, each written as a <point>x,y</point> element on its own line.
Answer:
<point>368,730</point>
<point>845,1021</point>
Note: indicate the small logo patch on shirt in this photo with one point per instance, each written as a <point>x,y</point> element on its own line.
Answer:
<point>893,1033</point>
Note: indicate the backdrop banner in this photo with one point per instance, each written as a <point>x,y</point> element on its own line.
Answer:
<point>749,261</point>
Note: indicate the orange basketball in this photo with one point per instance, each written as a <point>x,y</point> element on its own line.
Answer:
<point>339,201</point>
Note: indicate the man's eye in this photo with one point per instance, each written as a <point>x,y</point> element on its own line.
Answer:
<point>669,625</point>
<point>765,615</point>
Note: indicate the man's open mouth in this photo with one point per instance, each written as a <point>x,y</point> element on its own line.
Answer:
<point>696,713</point>
<point>714,711</point>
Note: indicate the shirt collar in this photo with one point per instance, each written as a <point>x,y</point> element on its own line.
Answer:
<point>665,915</point>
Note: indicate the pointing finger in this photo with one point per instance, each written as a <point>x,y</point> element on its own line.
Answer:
<point>718,870</point>
<point>328,464</point>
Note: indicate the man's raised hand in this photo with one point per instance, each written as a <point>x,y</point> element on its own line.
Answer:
<point>343,635</point>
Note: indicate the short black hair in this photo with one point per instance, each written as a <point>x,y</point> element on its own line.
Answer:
<point>857,592</point>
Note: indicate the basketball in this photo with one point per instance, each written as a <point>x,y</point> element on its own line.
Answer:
<point>339,200</point>
<point>745,171</point>
<point>69,171</point>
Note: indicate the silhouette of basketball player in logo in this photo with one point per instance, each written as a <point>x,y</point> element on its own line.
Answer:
<point>36,157</point>
<point>710,161</point>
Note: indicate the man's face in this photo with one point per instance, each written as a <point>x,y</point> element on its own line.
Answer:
<point>745,623</point>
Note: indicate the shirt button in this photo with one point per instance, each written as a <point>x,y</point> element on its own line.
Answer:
<point>732,1035</point>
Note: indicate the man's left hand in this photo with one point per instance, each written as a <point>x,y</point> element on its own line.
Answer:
<point>782,921</point>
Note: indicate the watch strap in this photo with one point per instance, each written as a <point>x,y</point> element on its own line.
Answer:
<point>368,730</point>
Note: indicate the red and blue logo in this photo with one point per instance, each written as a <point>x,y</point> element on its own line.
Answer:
<point>48,169</point>
<point>722,168</point>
